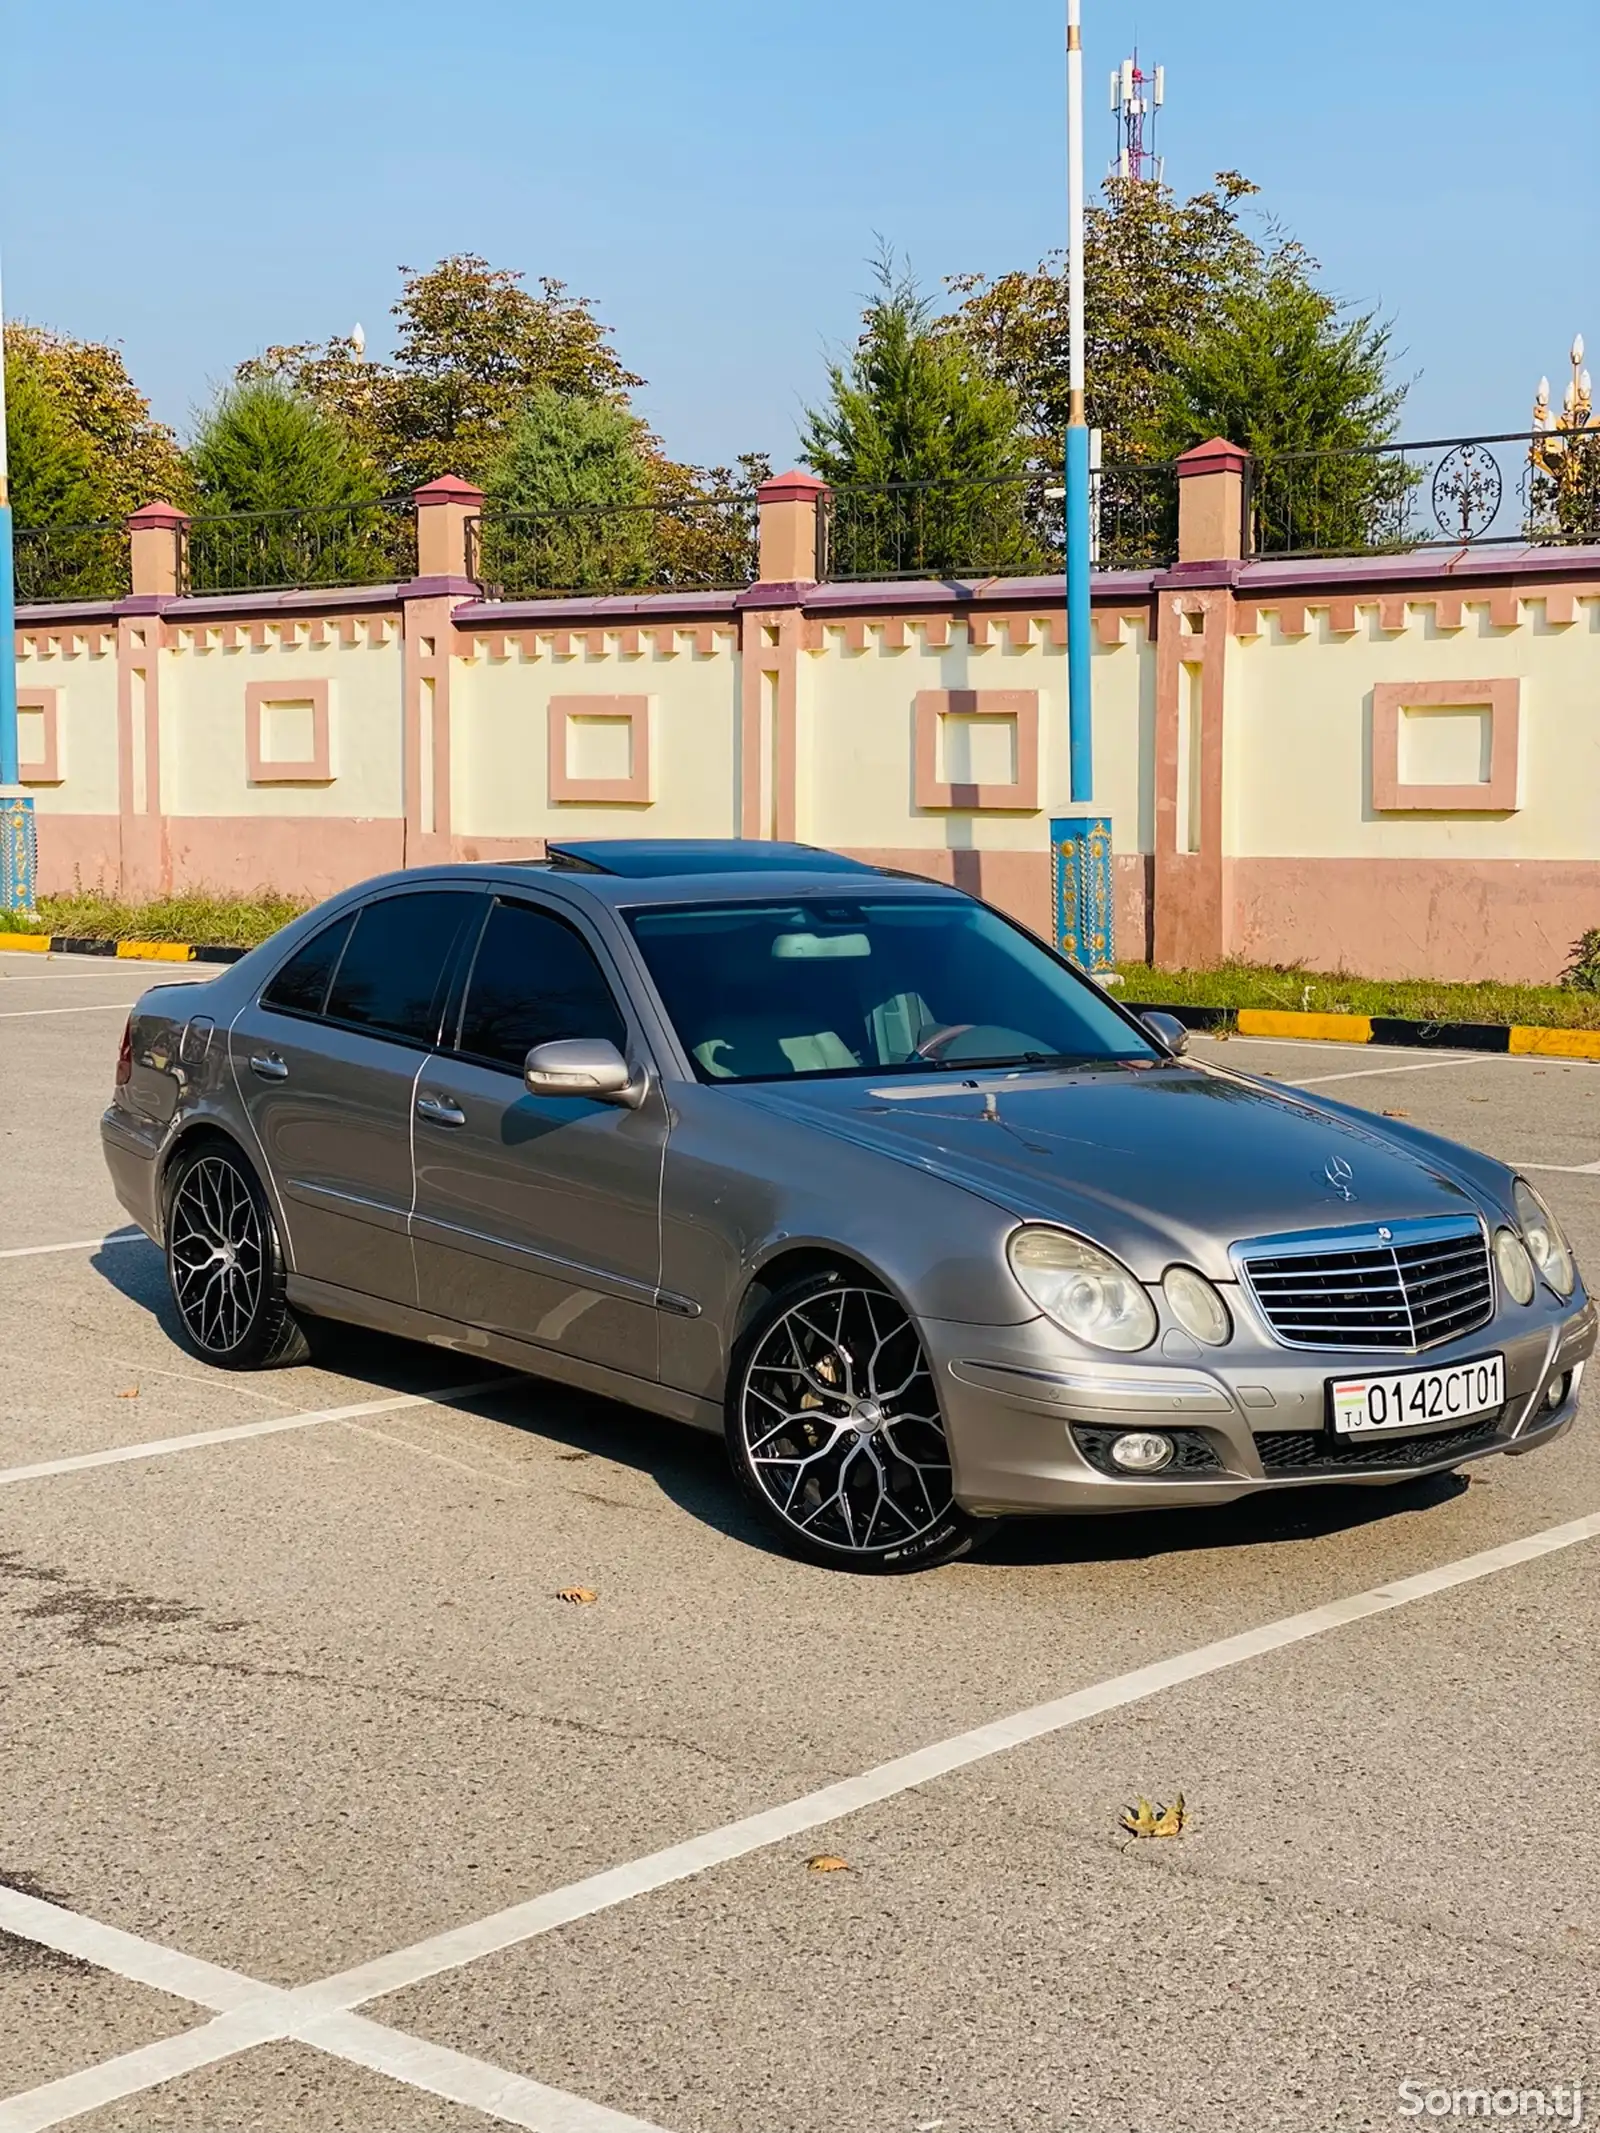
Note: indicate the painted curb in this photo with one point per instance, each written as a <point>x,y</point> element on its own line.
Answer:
<point>1522,1039</point>
<point>123,951</point>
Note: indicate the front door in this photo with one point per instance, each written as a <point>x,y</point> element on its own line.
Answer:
<point>538,1217</point>
<point>326,1064</point>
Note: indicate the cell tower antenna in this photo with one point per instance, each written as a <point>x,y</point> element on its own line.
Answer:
<point>1136,97</point>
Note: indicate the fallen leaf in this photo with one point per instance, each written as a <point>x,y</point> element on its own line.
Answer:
<point>132,1393</point>
<point>577,1595</point>
<point>828,1863</point>
<point>1397,1114</point>
<point>1144,1820</point>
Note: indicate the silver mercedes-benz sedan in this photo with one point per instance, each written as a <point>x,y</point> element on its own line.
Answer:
<point>842,1163</point>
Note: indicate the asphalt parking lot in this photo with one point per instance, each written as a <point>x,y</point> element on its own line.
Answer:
<point>319,1807</point>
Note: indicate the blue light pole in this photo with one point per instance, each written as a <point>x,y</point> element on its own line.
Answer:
<point>1080,844</point>
<point>18,849</point>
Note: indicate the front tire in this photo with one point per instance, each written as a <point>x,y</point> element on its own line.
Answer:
<point>225,1263</point>
<point>835,1431</point>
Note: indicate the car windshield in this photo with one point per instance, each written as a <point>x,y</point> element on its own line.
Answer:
<point>764,991</point>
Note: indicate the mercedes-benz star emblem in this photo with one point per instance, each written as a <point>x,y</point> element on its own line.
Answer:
<point>1339,1175</point>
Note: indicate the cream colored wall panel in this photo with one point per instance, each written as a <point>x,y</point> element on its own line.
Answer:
<point>86,733</point>
<point>499,736</point>
<point>204,766</point>
<point>1299,742</point>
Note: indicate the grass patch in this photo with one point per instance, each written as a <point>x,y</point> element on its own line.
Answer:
<point>1325,992</point>
<point>199,915</point>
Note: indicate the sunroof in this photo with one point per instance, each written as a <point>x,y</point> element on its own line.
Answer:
<point>644,857</point>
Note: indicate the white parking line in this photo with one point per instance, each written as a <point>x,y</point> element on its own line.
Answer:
<point>78,1244</point>
<point>99,1007</point>
<point>268,1426</point>
<point>321,2014</point>
<point>1571,1170</point>
<point>1416,1066</point>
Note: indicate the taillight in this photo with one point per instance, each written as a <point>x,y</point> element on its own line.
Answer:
<point>125,1055</point>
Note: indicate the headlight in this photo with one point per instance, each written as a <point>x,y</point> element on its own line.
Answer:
<point>1516,1268</point>
<point>1542,1235</point>
<point>1196,1306</point>
<point>1085,1290</point>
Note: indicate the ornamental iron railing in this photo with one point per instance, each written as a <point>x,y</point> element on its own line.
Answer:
<point>1011,525</point>
<point>1518,489</point>
<point>693,544</point>
<point>279,551</point>
<point>87,562</point>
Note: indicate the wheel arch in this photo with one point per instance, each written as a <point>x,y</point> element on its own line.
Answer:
<point>795,1261</point>
<point>198,1133</point>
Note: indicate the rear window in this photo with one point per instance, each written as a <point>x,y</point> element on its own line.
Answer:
<point>301,985</point>
<point>393,976</point>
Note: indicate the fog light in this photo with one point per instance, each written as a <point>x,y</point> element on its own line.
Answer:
<point>1555,1392</point>
<point>1142,1451</point>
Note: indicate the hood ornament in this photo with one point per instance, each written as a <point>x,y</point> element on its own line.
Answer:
<point>1340,1177</point>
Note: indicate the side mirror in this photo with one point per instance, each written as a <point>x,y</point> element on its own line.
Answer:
<point>1167,1031</point>
<point>582,1066</point>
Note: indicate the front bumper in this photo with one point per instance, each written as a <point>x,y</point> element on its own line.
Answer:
<point>1254,1421</point>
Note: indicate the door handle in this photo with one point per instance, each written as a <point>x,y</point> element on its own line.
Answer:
<point>441,1111</point>
<point>269,1066</point>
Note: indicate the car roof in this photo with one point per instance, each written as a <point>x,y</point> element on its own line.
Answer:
<point>626,871</point>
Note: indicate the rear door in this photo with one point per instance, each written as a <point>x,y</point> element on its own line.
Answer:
<point>326,1063</point>
<point>539,1217</point>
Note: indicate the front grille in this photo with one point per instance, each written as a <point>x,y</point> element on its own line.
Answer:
<point>1311,1451</point>
<point>1422,1283</point>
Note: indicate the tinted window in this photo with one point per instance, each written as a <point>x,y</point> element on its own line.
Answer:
<point>302,984</point>
<point>534,981</point>
<point>862,985</point>
<point>393,974</point>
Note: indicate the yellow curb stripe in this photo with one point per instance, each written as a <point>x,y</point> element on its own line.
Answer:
<point>1337,1029</point>
<point>156,951</point>
<point>1555,1043</point>
<point>25,943</point>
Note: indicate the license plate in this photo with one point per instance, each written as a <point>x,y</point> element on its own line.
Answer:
<point>1418,1399</point>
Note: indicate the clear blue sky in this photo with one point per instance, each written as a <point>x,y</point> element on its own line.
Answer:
<point>197,178</point>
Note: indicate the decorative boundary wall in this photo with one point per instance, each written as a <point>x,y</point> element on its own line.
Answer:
<point>1247,737</point>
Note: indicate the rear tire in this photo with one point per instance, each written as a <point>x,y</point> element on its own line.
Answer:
<point>225,1263</point>
<point>835,1430</point>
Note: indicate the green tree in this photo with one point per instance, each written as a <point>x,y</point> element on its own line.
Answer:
<point>285,495</point>
<point>264,447</point>
<point>1156,270</point>
<point>52,466</point>
<point>570,498</point>
<point>84,452</point>
<point>916,405</point>
<point>1281,369</point>
<point>472,346</point>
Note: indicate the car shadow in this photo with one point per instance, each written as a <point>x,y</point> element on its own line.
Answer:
<point>690,1467</point>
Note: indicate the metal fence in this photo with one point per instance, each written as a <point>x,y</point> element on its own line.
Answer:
<point>71,562</point>
<point>1520,488</point>
<point>275,551</point>
<point>694,544</point>
<point>1010,526</point>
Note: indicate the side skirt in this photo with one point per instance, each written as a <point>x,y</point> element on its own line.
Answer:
<point>323,1299</point>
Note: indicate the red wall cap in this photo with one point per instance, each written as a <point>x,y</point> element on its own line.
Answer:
<point>1215,457</point>
<point>448,489</point>
<point>159,513</point>
<point>795,487</point>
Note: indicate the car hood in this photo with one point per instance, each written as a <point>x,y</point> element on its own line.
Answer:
<point>1156,1164</point>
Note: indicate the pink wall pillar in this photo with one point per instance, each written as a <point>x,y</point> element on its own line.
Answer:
<point>1211,481</point>
<point>157,539</point>
<point>787,507</point>
<point>445,509</point>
